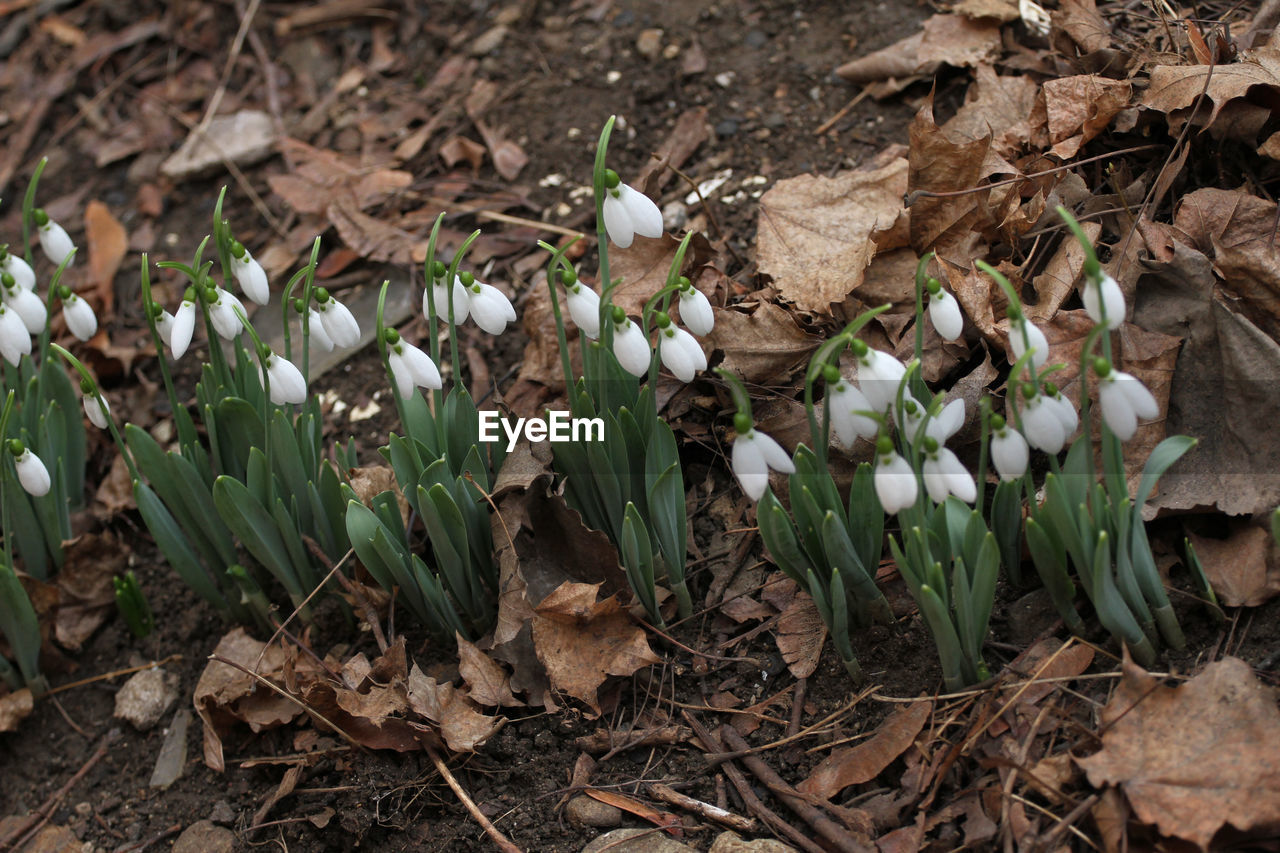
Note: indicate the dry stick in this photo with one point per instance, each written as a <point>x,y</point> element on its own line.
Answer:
<point>740,784</point>
<point>843,111</point>
<point>721,816</point>
<point>797,707</point>
<point>26,830</point>
<point>495,835</point>
<point>814,816</point>
<point>802,733</point>
<point>528,223</point>
<point>106,676</point>
<point>147,842</point>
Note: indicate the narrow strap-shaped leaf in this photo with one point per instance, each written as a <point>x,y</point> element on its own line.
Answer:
<point>1050,565</point>
<point>637,560</point>
<point>779,536</point>
<point>254,526</point>
<point>173,544</point>
<point>866,518</point>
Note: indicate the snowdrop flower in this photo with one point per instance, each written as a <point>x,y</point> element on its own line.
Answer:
<point>164,323</point>
<point>1062,407</point>
<point>1041,422</point>
<point>695,309</point>
<point>410,367</point>
<point>316,332</point>
<point>287,383</point>
<point>679,350</point>
<point>53,237</point>
<point>338,321</point>
<point>1022,331</point>
<point>32,474</point>
<point>879,375</point>
<point>1104,293</point>
<point>846,402</point>
<point>29,306</point>
<point>628,212</point>
<point>222,313</point>
<point>249,274</point>
<point>15,340</point>
<point>96,409</point>
<point>584,308</point>
<point>944,474</point>
<point>1124,400</point>
<point>78,315</point>
<point>944,311</point>
<point>489,307</point>
<point>895,482</point>
<point>1009,451</point>
<point>630,344</point>
<point>18,268</point>
<point>440,294</point>
<point>943,423</point>
<point>184,324</point>
<point>754,453</point>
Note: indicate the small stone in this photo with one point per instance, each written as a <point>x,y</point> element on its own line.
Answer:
<point>728,842</point>
<point>634,841</point>
<point>203,837</point>
<point>244,138</point>
<point>671,51</point>
<point>725,79</point>
<point>84,809</point>
<point>489,40</point>
<point>222,813</point>
<point>172,757</point>
<point>649,43</point>
<point>588,811</point>
<point>727,128</point>
<point>756,38</point>
<point>674,215</point>
<point>145,698</point>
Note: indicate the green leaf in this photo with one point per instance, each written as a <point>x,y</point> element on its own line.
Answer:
<point>173,544</point>
<point>239,429</point>
<point>20,625</point>
<point>842,557</point>
<point>1006,524</point>
<point>1162,457</point>
<point>779,536</point>
<point>637,559</point>
<point>866,518</point>
<point>257,530</point>
<point>1049,560</point>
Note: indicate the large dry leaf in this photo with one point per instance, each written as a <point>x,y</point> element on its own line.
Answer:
<point>222,688</point>
<point>1175,88</point>
<point>818,234</point>
<point>582,641</point>
<point>800,635</point>
<point>1195,758</point>
<point>864,762</point>
<point>999,108</point>
<point>461,724</point>
<point>1083,24</point>
<point>1079,108</point>
<point>487,683</point>
<point>764,346</point>
<point>108,243</point>
<point>1240,567</point>
<point>86,596</point>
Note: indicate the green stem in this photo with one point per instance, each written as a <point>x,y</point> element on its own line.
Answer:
<point>28,205</point>
<point>602,236</point>
<point>554,267</point>
<point>97,395</point>
<point>921,266</point>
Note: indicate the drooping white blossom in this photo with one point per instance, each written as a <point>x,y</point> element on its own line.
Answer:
<point>754,454</point>
<point>1124,400</point>
<point>32,473</point>
<point>79,317</point>
<point>584,307</point>
<point>97,412</point>
<point>944,311</point>
<point>894,481</point>
<point>412,368</point>
<point>1042,425</point>
<point>251,277</point>
<point>23,275</point>
<point>29,306</point>
<point>440,293</point>
<point>339,323</point>
<point>680,352</point>
<point>944,474</point>
<point>54,241</point>
<point>631,347</point>
<point>696,312</point>
<point>184,326</point>
<point>1009,451</point>
<point>1023,331</point>
<point>15,340</point>
<point>1104,293</point>
<point>628,212</point>
<point>286,380</point>
<point>222,313</point>
<point>879,375</point>
<point>490,307</point>
<point>845,403</point>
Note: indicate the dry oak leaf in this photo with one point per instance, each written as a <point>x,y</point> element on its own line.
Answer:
<point>581,641</point>
<point>487,683</point>
<point>818,234</point>
<point>1176,87</point>
<point>999,108</point>
<point>864,762</point>
<point>1194,758</point>
<point>108,242</point>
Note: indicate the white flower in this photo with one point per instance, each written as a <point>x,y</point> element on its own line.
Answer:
<point>184,325</point>
<point>97,414</point>
<point>1105,293</point>
<point>79,317</point>
<point>1034,335</point>
<point>845,402</point>
<point>316,332</point>
<point>695,311</point>
<point>339,323</point>
<point>944,475</point>
<point>164,327</point>
<point>879,375</point>
<point>287,384</point>
<point>895,482</point>
<point>440,293</point>
<point>23,275</point>
<point>947,422</point>
<point>15,340</point>
<point>584,308</point>
<point>1124,400</point>
<point>490,308</point>
<point>1042,425</point>
<point>628,212</point>
<point>251,277</point>
<point>29,307</point>
<point>32,474</point>
<point>944,311</point>
<point>680,352</point>
<point>753,455</point>
<point>1009,453</point>
<point>1065,411</point>
<point>223,315</point>
<point>411,367</point>
<point>55,242</point>
<point>631,348</point>
<point>1034,17</point>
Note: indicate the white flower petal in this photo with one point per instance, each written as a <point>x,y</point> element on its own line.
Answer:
<point>617,222</point>
<point>959,481</point>
<point>93,410</point>
<point>422,369</point>
<point>696,312</point>
<point>461,302</point>
<point>1066,413</point>
<point>1140,399</point>
<point>895,483</point>
<point>646,218</point>
<point>1036,337</point>
<point>749,465</point>
<point>164,327</point>
<point>55,242</point>
<point>584,308</point>
<point>846,401</point>
<point>251,277</point>
<point>287,383</point>
<point>32,474</point>
<point>184,326</point>
<point>15,340</point>
<point>23,275</point>
<point>339,323</point>
<point>401,374</point>
<point>1105,294</point>
<point>491,309</point>
<point>948,422</point>
<point>945,313</point>
<point>223,316</point>
<point>316,331</point>
<point>774,455</point>
<point>631,348</point>
<point>879,375</point>
<point>1009,453</point>
<point>1042,427</point>
<point>79,317</point>
<point>29,307</point>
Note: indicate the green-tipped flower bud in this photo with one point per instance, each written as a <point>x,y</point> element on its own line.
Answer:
<point>568,277</point>
<point>1050,390</point>
<point>884,445</point>
<point>742,423</point>
<point>997,423</point>
<point>391,336</point>
<point>467,279</point>
<point>237,249</point>
<point>86,387</point>
<point>439,270</point>
<point>16,447</point>
<point>189,295</point>
<point>1102,367</point>
<point>321,295</point>
<point>611,179</point>
<point>1029,390</point>
<point>64,292</point>
<point>859,347</point>
<point>39,217</point>
<point>210,294</point>
<point>661,318</point>
<point>619,315</point>
<point>933,286</point>
<point>830,374</point>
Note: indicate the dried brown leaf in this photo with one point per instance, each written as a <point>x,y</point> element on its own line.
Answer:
<point>1083,24</point>
<point>1079,108</point>
<point>864,762</point>
<point>487,683</point>
<point>461,725</point>
<point>998,108</point>
<point>1174,88</point>
<point>108,242</point>
<point>764,346</point>
<point>1241,568</point>
<point>818,234</point>
<point>1194,758</point>
<point>800,635</point>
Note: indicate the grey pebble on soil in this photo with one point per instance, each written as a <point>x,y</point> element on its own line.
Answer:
<point>145,698</point>
<point>652,840</point>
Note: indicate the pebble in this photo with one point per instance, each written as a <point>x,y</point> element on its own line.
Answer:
<point>489,40</point>
<point>635,841</point>
<point>726,128</point>
<point>649,43</point>
<point>674,216</point>
<point>756,38</point>
<point>203,837</point>
<point>222,813</point>
<point>728,842</point>
<point>145,698</point>
<point>588,811</point>
<point>245,138</point>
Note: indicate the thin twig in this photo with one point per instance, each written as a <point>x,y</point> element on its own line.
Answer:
<point>107,676</point>
<point>17,837</point>
<point>495,835</point>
